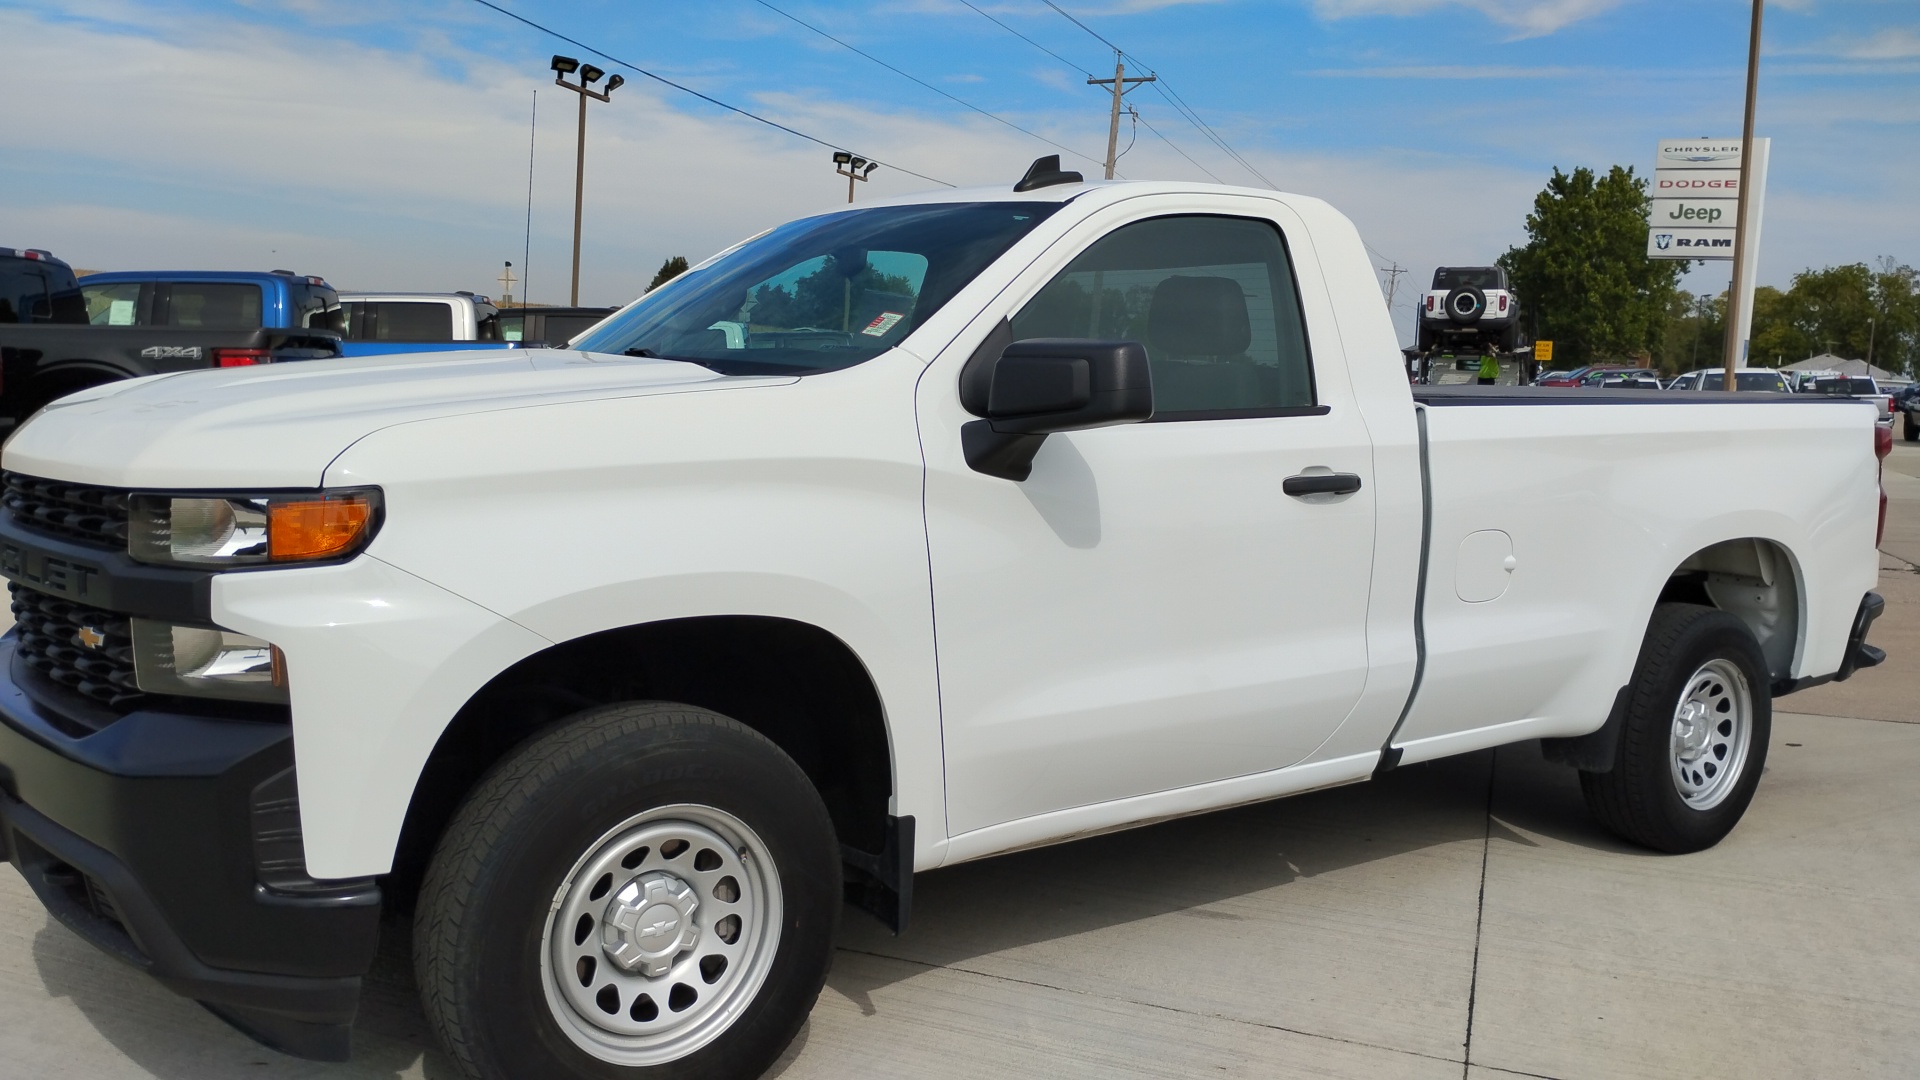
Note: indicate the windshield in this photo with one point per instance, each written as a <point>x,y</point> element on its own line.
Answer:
<point>1480,277</point>
<point>822,293</point>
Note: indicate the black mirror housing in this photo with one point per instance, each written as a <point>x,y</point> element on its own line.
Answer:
<point>1044,386</point>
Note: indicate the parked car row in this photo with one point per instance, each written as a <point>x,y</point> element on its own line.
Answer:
<point>1764,380</point>
<point>60,333</point>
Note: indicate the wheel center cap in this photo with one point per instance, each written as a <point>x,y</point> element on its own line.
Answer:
<point>1691,728</point>
<point>649,922</point>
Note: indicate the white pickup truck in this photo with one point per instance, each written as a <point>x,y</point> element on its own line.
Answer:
<point>885,540</point>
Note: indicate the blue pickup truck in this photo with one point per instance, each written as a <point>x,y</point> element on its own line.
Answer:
<point>59,335</point>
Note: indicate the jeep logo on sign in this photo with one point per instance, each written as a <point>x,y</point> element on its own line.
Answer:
<point>171,352</point>
<point>1707,214</point>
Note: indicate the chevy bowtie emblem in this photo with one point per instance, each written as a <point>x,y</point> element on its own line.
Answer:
<point>91,638</point>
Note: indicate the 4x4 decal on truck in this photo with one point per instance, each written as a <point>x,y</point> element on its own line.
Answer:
<point>172,352</point>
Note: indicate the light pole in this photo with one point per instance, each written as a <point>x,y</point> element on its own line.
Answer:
<point>562,67</point>
<point>853,168</point>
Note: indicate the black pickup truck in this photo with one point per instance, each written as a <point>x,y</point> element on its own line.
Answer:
<point>59,334</point>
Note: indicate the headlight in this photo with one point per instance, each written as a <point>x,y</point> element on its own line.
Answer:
<point>205,662</point>
<point>244,530</point>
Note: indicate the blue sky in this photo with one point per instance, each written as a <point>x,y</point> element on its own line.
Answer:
<point>386,145</point>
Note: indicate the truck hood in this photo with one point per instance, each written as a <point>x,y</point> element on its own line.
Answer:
<point>280,425</point>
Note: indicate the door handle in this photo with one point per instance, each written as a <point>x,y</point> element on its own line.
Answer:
<point>1340,483</point>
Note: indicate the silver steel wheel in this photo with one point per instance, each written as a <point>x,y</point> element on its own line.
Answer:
<point>661,935</point>
<point>1712,727</point>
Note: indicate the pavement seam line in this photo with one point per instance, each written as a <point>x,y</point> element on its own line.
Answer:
<point>1479,920</point>
<point>1150,1005</point>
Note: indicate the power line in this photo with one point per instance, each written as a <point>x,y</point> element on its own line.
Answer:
<point>923,82</point>
<point>1172,98</point>
<point>1180,103</point>
<point>1029,40</point>
<point>1179,151</point>
<point>637,69</point>
<point>1083,26</point>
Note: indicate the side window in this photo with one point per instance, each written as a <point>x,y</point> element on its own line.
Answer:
<point>1214,301</point>
<point>112,304</point>
<point>214,306</point>
<point>425,320</point>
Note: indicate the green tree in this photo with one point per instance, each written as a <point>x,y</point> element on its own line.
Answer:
<point>1584,274</point>
<point>1855,311</point>
<point>669,270</point>
<point>1695,333</point>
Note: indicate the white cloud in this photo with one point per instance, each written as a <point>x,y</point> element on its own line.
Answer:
<point>1527,18</point>
<point>1891,43</point>
<point>223,146</point>
<point>1481,71</point>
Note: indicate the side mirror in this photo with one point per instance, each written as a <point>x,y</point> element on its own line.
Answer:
<point>1043,386</point>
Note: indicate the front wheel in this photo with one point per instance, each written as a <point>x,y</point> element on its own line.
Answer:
<point>1694,738</point>
<point>649,891</point>
<point>1911,429</point>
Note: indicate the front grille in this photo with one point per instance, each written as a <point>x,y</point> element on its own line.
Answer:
<point>57,642</point>
<point>95,516</point>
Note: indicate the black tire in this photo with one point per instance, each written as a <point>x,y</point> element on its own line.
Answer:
<point>1466,305</point>
<point>1910,429</point>
<point>1640,798</point>
<point>479,933</point>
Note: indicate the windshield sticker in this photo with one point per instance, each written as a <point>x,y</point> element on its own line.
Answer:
<point>883,323</point>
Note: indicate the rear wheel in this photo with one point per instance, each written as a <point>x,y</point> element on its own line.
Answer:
<point>1911,427</point>
<point>649,891</point>
<point>1694,738</point>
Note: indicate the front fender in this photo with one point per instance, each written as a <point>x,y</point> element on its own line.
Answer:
<point>379,661</point>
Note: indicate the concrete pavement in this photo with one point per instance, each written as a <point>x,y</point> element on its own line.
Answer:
<point>1461,907</point>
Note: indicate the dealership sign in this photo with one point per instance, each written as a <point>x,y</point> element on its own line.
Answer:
<point>1696,198</point>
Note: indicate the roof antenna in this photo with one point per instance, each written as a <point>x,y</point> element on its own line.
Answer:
<point>1045,172</point>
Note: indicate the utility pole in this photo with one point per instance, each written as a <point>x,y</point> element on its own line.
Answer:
<point>853,167</point>
<point>1120,86</point>
<point>506,280</point>
<point>1393,282</point>
<point>562,67</point>
<point>1736,295</point>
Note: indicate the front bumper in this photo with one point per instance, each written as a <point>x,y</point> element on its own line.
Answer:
<point>152,838</point>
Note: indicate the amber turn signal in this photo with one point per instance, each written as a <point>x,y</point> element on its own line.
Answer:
<point>316,528</point>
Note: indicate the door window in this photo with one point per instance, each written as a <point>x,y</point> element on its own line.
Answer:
<point>1214,301</point>
<point>113,303</point>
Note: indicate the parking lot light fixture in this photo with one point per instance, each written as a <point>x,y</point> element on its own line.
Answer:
<point>564,66</point>
<point>853,167</point>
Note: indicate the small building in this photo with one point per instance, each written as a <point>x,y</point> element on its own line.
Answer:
<point>1839,366</point>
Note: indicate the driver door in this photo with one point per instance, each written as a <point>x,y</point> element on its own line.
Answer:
<point>1149,610</point>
